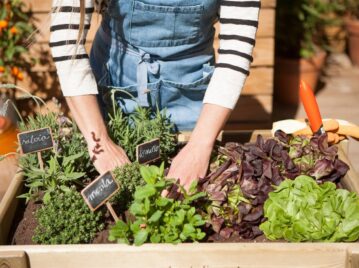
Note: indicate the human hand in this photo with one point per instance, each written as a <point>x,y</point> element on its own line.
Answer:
<point>106,155</point>
<point>191,163</point>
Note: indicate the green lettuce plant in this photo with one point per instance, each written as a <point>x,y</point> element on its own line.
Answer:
<point>301,210</point>
<point>159,219</point>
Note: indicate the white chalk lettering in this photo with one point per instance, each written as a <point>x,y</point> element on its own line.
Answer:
<point>35,138</point>
<point>104,184</point>
<point>154,149</point>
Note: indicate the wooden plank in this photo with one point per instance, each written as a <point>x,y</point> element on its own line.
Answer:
<point>8,206</point>
<point>8,168</point>
<point>259,82</point>
<point>244,255</point>
<point>350,180</point>
<point>39,5</point>
<point>269,3</point>
<point>266,21</point>
<point>252,109</point>
<point>354,255</point>
<point>263,53</point>
<point>16,259</point>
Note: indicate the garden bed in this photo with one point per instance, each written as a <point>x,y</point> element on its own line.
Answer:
<point>183,255</point>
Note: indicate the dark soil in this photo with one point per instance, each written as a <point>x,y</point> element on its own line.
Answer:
<point>25,224</point>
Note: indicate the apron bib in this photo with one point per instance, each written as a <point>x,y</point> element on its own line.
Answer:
<point>160,53</point>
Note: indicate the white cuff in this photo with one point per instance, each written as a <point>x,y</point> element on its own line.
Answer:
<point>225,88</point>
<point>77,83</point>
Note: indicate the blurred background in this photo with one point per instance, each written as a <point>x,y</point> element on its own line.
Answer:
<point>314,40</point>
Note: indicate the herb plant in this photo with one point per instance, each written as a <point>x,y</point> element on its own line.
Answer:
<point>67,138</point>
<point>58,175</point>
<point>159,219</point>
<point>66,220</point>
<point>141,126</point>
<point>301,210</point>
<point>128,177</point>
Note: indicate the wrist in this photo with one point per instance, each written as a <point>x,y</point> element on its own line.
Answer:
<point>204,144</point>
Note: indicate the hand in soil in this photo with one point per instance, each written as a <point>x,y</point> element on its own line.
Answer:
<point>106,155</point>
<point>191,163</point>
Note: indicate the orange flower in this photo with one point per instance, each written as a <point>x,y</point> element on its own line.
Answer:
<point>13,30</point>
<point>15,71</point>
<point>2,69</point>
<point>20,76</point>
<point>3,24</point>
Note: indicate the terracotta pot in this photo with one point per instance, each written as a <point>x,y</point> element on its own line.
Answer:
<point>336,37</point>
<point>353,40</point>
<point>8,136</point>
<point>289,72</point>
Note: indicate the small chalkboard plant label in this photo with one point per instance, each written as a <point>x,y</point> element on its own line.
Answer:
<point>100,190</point>
<point>148,152</point>
<point>35,140</point>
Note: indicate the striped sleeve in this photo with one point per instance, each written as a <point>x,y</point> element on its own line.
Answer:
<point>238,27</point>
<point>73,67</point>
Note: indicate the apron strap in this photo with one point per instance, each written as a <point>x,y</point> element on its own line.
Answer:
<point>146,64</point>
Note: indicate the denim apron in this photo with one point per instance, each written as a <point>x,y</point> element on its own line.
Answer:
<point>158,51</point>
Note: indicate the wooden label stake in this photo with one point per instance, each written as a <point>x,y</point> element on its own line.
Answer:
<point>112,211</point>
<point>41,162</point>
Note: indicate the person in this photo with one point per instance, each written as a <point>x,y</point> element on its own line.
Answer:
<point>162,53</point>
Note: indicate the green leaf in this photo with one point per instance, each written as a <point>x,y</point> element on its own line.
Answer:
<point>188,229</point>
<point>137,209</point>
<point>155,216</point>
<point>148,175</point>
<point>162,201</point>
<point>74,176</point>
<point>145,192</point>
<point>35,184</point>
<point>162,169</point>
<point>65,189</point>
<point>193,187</point>
<point>71,158</point>
<point>140,237</point>
<point>155,238</point>
<point>47,197</point>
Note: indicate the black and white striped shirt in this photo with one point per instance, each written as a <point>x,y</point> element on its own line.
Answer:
<point>238,27</point>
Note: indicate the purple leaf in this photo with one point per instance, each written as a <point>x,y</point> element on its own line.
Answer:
<point>226,232</point>
<point>217,223</point>
<point>282,136</point>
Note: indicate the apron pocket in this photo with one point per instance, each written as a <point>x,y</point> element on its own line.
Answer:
<point>183,102</point>
<point>161,25</point>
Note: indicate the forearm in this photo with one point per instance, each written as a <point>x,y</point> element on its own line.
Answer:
<point>210,123</point>
<point>86,112</point>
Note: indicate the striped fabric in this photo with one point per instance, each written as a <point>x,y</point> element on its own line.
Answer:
<point>238,24</point>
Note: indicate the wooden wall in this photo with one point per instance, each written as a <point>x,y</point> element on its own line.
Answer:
<point>254,108</point>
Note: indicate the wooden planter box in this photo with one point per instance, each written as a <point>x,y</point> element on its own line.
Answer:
<point>203,255</point>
